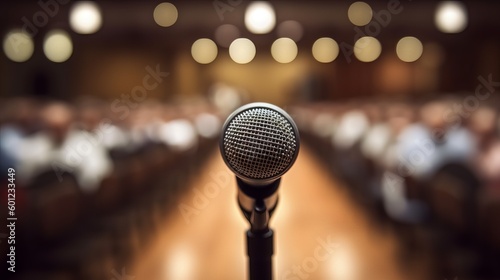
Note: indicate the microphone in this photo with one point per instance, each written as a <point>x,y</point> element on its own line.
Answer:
<point>259,143</point>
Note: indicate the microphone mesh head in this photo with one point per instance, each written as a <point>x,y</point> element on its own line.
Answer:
<point>260,142</point>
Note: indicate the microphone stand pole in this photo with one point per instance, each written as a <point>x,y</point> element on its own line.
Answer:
<point>260,238</point>
<point>260,248</point>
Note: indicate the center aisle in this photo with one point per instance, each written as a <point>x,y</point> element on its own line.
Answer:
<point>319,232</point>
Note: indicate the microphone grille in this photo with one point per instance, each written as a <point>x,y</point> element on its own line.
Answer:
<point>260,141</point>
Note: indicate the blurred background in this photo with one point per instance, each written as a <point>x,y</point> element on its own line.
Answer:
<point>110,115</point>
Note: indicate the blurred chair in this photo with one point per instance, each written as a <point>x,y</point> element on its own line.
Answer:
<point>56,205</point>
<point>452,196</point>
<point>489,218</point>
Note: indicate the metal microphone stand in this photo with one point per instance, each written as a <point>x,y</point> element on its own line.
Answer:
<point>260,238</point>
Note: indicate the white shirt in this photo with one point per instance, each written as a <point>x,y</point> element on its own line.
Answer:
<point>422,156</point>
<point>82,154</point>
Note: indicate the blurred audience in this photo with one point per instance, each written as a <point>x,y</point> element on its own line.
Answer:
<point>483,123</point>
<point>419,165</point>
<point>89,180</point>
<point>62,147</point>
<point>392,154</point>
<point>79,137</point>
<point>18,120</point>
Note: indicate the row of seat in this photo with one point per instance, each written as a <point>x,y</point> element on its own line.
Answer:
<point>430,189</point>
<point>68,231</point>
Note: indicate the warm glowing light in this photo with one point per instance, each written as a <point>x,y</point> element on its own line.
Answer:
<point>290,29</point>
<point>451,17</point>
<point>181,263</point>
<point>204,51</point>
<point>260,17</point>
<point>242,50</point>
<point>85,17</point>
<point>343,263</point>
<point>58,46</point>
<point>284,50</point>
<point>367,49</point>
<point>325,50</point>
<point>165,14</point>
<point>225,34</point>
<point>360,13</point>
<point>18,46</point>
<point>409,49</point>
